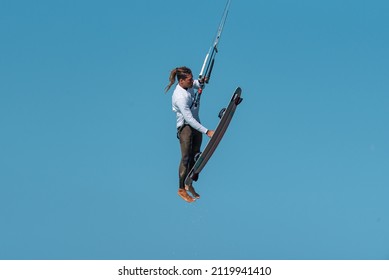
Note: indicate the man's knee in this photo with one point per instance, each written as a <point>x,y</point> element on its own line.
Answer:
<point>185,160</point>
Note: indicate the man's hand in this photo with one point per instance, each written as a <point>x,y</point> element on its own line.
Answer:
<point>210,133</point>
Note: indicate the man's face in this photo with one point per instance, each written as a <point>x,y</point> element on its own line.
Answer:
<point>187,82</point>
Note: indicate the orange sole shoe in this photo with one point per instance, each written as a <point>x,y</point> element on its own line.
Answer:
<point>185,196</point>
<point>192,191</point>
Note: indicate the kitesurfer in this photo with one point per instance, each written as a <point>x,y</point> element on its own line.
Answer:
<point>189,129</point>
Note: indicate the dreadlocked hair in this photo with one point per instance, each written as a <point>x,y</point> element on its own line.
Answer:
<point>180,73</point>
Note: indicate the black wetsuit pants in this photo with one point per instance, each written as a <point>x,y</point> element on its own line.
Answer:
<point>190,143</point>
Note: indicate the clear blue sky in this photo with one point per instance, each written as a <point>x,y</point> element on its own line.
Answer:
<point>89,157</point>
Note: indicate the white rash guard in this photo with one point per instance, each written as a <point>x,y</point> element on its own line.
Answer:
<point>182,101</point>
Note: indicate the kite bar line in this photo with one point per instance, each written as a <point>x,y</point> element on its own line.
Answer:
<point>209,61</point>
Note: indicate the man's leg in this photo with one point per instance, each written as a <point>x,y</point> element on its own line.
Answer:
<point>186,145</point>
<point>197,138</point>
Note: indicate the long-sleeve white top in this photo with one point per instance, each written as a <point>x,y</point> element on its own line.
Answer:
<point>182,101</point>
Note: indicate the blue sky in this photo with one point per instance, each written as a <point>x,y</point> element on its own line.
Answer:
<point>89,157</point>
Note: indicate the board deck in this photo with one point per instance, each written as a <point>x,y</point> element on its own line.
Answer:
<point>216,138</point>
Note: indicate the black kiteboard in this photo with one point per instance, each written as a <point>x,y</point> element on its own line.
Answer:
<point>225,119</point>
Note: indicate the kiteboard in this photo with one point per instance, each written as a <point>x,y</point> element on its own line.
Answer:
<point>225,115</point>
